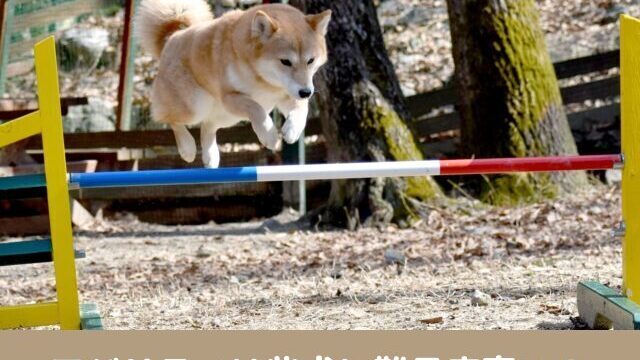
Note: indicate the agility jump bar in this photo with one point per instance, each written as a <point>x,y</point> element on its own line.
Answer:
<point>342,171</point>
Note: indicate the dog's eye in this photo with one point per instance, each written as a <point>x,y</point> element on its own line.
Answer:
<point>311,61</point>
<point>285,62</point>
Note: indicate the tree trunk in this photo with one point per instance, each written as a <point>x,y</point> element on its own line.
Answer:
<point>509,99</point>
<point>363,118</point>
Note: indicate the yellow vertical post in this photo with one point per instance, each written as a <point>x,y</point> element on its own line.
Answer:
<point>630,98</point>
<point>57,187</point>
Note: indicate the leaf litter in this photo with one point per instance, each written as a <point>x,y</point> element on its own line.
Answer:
<point>280,274</point>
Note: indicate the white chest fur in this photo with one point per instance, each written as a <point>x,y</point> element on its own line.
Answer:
<point>242,79</point>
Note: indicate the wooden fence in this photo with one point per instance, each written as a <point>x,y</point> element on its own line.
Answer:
<point>25,22</point>
<point>587,125</point>
<point>33,20</point>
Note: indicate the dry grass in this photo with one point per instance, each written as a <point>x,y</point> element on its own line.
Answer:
<point>273,275</point>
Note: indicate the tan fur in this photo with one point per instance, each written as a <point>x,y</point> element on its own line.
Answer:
<point>219,72</point>
<point>159,19</point>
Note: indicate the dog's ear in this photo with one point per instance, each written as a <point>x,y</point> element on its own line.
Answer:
<point>263,26</point>
<point>320,22</point>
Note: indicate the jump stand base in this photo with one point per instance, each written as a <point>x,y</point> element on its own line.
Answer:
<point>603,308</point>
<point>90,317</point>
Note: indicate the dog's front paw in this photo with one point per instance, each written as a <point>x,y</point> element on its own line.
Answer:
<point>211,162</point>
<point>271,139</point>
<point>292,130</point>
<point>267,133</point>
<point>210,165</point>
<point>187,149</point>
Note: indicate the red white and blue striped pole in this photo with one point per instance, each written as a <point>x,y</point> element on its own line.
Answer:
<point>343,171</point>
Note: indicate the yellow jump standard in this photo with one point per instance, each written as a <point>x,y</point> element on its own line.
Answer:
<point>599,306</point>
<point>47,121</point>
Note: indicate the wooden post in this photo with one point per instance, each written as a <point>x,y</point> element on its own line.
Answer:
<point>6,21</point>
<point>127,67</point>
<point>302,185</point>
<point>295,192</point>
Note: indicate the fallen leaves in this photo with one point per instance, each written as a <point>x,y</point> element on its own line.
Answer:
<point>553,309</point>
<point>153,277</point>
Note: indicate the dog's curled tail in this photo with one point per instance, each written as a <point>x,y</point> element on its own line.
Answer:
<point>157,20</point>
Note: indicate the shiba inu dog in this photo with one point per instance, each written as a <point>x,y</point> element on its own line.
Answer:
<point>217,72</point>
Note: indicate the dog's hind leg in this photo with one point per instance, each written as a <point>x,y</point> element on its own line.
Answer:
<point>186,142</point>
<point>210,151</point>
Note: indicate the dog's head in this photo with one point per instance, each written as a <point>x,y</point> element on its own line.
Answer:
<point>290,47</point>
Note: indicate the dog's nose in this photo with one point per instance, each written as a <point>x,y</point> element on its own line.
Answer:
<point>305,93</point>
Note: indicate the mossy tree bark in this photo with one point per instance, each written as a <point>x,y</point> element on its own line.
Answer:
<point>510,103</point>
<point>363,118</point>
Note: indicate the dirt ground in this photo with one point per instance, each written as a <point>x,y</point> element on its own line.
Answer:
<point>278,274</point>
